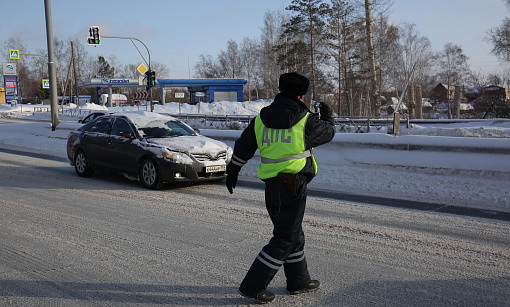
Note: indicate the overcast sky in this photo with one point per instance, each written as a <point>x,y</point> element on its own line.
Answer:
<point>178,31</point>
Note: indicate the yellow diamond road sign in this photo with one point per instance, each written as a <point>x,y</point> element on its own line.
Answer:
<point>142,68</point>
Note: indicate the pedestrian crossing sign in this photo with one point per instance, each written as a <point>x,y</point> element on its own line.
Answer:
<point>45,83</point>
<point>14,54</point>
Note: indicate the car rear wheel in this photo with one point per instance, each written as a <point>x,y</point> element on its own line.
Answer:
<point>81,165</point>
<point>150,175</point>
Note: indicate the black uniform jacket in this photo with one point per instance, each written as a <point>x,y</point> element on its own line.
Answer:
<point>284,113</point>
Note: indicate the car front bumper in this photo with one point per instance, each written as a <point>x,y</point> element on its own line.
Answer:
<point>175,172</point>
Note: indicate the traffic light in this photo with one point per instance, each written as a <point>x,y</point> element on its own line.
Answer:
<point>151,78</point>
<point>94,39</point>
<point>148,76</point>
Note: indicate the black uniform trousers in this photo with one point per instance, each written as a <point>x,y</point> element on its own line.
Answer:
<point>286,246</point>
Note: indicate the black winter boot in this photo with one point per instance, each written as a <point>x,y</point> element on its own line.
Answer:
<point>263,297</point>
<point>312,286</point>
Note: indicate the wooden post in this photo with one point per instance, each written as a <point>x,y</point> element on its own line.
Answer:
<point>419,106</point>
<point>456,98</point>
<point>396,123</point>
<point>411,102</point>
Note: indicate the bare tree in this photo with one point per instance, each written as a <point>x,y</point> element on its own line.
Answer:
<point>413,51</point>
<point>452,67</point>
<point>161,70</point>
<point>207,67</point>
<point>272,33</point>
<point>250,53</point>
<point>81,57</point>
<point>62,58</point>
<point>230,61</point>
<point>500,38</point>
<point>386,36</point>
<point>128,71</point>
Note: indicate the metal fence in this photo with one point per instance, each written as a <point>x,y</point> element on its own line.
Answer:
<point>77,112</point>
<point>347,125</point>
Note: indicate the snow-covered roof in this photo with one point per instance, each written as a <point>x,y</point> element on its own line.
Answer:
<point>426,104</point>
<point>466,107</point>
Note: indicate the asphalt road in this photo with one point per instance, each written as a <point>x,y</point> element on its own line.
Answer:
<point>107,241</point>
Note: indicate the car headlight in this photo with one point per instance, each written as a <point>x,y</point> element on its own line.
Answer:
<point>176,157</point>
<point>173,155</point>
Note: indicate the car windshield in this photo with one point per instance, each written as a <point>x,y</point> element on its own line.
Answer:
<point>165,128</point>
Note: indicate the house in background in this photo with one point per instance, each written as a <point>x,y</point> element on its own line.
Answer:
<point>497,92</point>
<point>440,93</point>
<point>493,101</point>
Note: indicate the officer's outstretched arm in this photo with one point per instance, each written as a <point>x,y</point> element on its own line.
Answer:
<point>244,150</point>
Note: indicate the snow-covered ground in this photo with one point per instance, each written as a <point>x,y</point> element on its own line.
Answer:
<point>464,164</point>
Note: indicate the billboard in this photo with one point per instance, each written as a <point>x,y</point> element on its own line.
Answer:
<point>11,89</point>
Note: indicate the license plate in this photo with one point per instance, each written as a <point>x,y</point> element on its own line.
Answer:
<point>215,168</point>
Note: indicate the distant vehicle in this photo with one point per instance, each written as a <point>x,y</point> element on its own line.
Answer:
<point>117,99</point>
<point>153,147</point>
<point>92,116</point>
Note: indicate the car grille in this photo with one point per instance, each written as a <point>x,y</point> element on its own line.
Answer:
<point>210,157</point>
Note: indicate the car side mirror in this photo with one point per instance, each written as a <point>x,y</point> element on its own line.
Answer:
<point>197,130</point>
<point>126,134</point>
<point>79,121</point>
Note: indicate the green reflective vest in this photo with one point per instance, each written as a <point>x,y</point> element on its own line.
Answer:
<point>282,150</point>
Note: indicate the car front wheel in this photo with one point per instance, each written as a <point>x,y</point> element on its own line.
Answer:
<point>150,175</point>
<point>81,165</point>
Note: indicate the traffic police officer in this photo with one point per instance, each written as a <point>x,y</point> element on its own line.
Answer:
<point>285,133</point>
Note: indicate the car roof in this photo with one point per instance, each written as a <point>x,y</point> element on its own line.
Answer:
<point>142,118</point>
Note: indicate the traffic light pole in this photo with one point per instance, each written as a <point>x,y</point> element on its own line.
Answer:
<point>149,64</point>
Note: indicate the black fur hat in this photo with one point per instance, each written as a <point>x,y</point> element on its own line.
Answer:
<point>293,84</point>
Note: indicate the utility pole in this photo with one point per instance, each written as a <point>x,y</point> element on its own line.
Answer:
<point>75,75</point>
<point>51,66</point>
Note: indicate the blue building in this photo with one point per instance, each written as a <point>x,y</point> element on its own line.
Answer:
<point>201,90</point>
<point>208,90</point>
<point>83,99</point>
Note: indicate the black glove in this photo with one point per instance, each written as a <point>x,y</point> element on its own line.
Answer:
<point>232,174</point>
<point>325,109</point>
